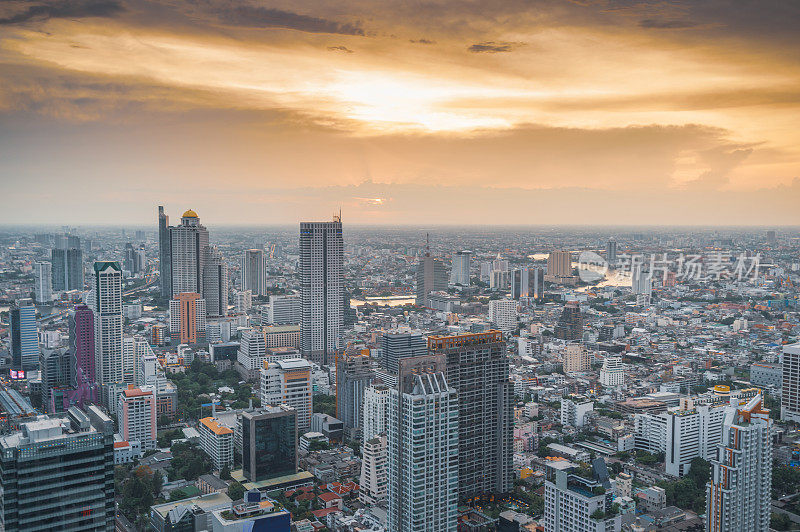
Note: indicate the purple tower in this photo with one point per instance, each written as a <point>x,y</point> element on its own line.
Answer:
<point>81,344</point>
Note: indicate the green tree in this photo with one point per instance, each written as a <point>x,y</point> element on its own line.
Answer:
<point>177,495</point>
<point>235,491</point>
<point>225,474</point>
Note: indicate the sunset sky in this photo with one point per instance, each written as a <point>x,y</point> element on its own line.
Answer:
<point>430,112</point>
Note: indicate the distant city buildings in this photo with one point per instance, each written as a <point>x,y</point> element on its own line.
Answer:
<point>67,266</point>
<point>559,267</point>
<point>459,273</point>
<point>570,324</point>
<point>431,277</point>
<point>254,271</point>
<point>503,314</point>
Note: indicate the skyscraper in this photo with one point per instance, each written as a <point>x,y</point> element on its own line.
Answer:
<point>431,277</point>
<point>24,334</point>
<point>55,369</point>
<point>187,318</point>
<point>107,307</point>
<point>611,252</point>
<point>739,493</point>
<point>376,400</point>
<point>354,373</point>
<point>559,264</point>
<point>399,345</point>
<point>527,283</point>
<point>254,271</point>
<point>321,257</point>
<point>570,323</point>
<point>459,274</point>
<point>81,343</point>
<point>58,474</point>
<point>215,283</point>
<point>67,269</point>
<point>288,382</point>
<point>164,254</point>
<point>136,416</point>
<point>423,448</point>
<point>188,242</point>
<point>477,369</point>
<point>43,274</point>
<point>129,262</point>
<point>790,391</point>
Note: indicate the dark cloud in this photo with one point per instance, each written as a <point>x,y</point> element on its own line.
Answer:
<point>422,41</point>
<point>493,47</point>
<point>344,49</point>
<point>263,17</point>
<point>652,23</point>
<point>64,9</point>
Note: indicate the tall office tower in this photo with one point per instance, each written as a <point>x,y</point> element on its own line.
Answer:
<point>321,256</point>
<point>579,501</point>
<point>570,323</point>
<point>215,283</point>
<point>499,280</point>
<point>187,318</point>
<point>612,374</point>
<point>136,416</point>
<point>576,359</point>
<point>372,486</point>
<point>140,259</point>
<point>81,343</point>
<point>536,280</point>
<point>139,235</point>
<point>398,345</point>
<point>285,310</point>
<point>478,370</point>
<point>641,281</point>
<point>66,241</point>
<point>790,391</point>
<point>559,264</point>
<point>188,242</point>
<point>254,271</point>
<point>107,307</point>
<point>269,442</point>
<point>503,314</point>
<point>164,254</point>
<point>354,373</point>
<point>288,382</point>
<point>55,371</point>
<point>431,277</point>
<point>611,252</point>
<point>376,401</point>
<point>129,260</point>
<point>459,274</point>
<point>24,334</point>
<point>520,283</point>
<point>739,494</point>
<point>67,269</point>
<point>58,474</point>
<point>422,449</point>
<point>43,274</point>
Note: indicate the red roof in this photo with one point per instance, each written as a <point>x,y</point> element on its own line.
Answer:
<point>328,496</point>
<point>320,514</point>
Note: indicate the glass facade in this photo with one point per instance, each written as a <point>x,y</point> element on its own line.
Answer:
<point>269,443</point>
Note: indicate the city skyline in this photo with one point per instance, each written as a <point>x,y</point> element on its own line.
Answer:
<point>654,113</point>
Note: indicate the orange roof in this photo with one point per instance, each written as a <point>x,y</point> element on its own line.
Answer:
<point>213,425</point>
<point>121,444</point>
<point>137,392</point>
<point>329,496</point>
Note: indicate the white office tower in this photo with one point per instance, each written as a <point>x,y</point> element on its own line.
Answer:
<point>43,272</point>
<point>288,382</point>
<point>243,301</point>
<point>106,299</point>
<point>641,281</point>
<point>215,283</point>
<point>322,295</point>
<point>739,494</point>
<point>503,314</point>
<point>790,391</point>
<point>376,400</point>
<point>579,501</point>
<point>612,374</point>
<point>372,488</point>
<point>423,454</point>
<point>254,271</point>
<point>188,243</point>
<point>575,410</point>
<point>147,368</point>
<point>459,274</point>
<point>285,310</point>
<point>134,349</point>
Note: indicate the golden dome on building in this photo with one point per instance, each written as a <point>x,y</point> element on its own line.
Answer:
<point>190,214</point>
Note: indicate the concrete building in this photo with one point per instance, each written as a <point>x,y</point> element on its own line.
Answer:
<point>288,382</point>
<point>67,268</point>
<point>376,401</point>
<point>354,373</point>
<point>215,283</point>
<point>790,390</point>
<point>107,307</point>
<point>503,314</point>
<point>459,273</point>
<point>43,278</point>
<point>24,334</point>
<point>576,359</point>
<point>611,252</point>
<point>243,301</point>
<point>188,243</point>
<point>397,345</point>
<point>527,283</point>
<point>612,375</point>
<point>281,336</point>
<point>136,416</point>
<point>770,375</point>
<point>574,411</point>
<point>285,310</point>
<point>373,482</point>
<point>216,440</point>
<point>254,271</point>
<point>559,266</point>
<point>570,323</point>
<point>164,254</point>
<point>578,502</point>
<point>322,295</point>
<point>81,343</point>
<point>431,277</point>
<point>187,318</point>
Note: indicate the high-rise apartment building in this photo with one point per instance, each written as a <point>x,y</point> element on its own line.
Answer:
<point>570,323</point>
<point>423,449</point>
<point>24,334</point>
<point>739,495</point>
<point>431,277</point>
<point>188,242</point>
<point>321,258</point>
<point>559,264</point>
<point>215,283</point>
<point>136,416</point>
<point>288,382</point>
<point>81,343</point>
<point>354,373</point>
<point>285,310</point>
<point>67,268</point>
<point>477,368</point>
<point>373,482</point>
<point>397,345</point>
<point>107,306</point>
<point>376,401</point>
<point>187,318</point>
<point>216,440</point>
<point>576,359</point>
<point>503,314</point>
<point>55,372</point>
<point>134,349</point>
<point>269,442</point>
<point>254,271</point>
<point>459,274</point>
<point>574,411</point>
<point>579,501</point>
<point>57,473</point>
<point>164,254</point>
<point>612,374</point>
<point>790,389</point>
<point>43,276</point>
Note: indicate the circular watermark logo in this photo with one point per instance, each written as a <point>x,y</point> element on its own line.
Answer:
<point>591,267</point>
